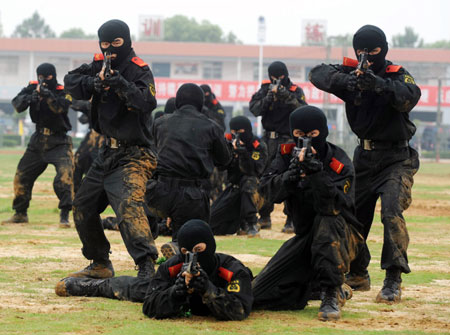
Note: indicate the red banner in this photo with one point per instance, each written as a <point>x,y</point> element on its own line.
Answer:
<point>243,90</point>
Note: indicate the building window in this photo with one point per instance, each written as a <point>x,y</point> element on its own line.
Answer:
<point>186,69</point>
<point>9,65</point>
<point>161,69</point>
<point>212,70</point>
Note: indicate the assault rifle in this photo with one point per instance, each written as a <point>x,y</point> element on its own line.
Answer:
<point>191,263</point>
<point>302,142</point>
<point>107,65</point>
<point>363,66</point>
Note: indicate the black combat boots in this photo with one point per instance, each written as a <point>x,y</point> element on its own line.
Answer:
<point>81,287</point>
<point>330,308</point>
<point>97,269</point>
<point>288,226</point>
<point>391,292</point>
<point>64,219</point>
<point>17,218</point>
<point>146,269</point>
<point>265,222</point>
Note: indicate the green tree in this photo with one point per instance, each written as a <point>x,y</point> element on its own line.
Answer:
<point>180,28</point>
<point>34,27</point>
<point>341,40</point>
<point>77,33</point>
<point>442,44</point>
<point>409,39</point>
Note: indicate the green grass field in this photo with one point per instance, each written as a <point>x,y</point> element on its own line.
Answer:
<point>35,256</point>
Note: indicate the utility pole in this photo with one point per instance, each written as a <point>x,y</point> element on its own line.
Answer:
<point>261,40</point>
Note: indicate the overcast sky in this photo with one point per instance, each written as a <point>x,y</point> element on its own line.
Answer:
<point>283,17</point>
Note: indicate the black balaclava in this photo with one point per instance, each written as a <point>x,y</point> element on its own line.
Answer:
<point>207,89</point>
<point>198,231</point>
<point>242,122</point>
<point>370,37</point>
<point>308,118</point>
<point>170,107</point>
<point>158,114</point>
<point>46,69</point>
<point>111,30</point>
<point>189,94</point>
<point>278,69</point>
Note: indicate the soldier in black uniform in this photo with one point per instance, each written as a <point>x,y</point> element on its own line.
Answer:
<point>378,102</point>
<point>212,107</point>
<point>214,111</point>
<point>89,147</point>
<point>318,188</point>
<point>170,107</point>
<point>122,103</point>
<point>274,102</point>
<point>188,145</point>
<point>236,207</point>
<point>48,145</point>
<point>221,286</point>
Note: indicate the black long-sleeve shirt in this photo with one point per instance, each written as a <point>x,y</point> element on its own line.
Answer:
<point>228,297</point>
<point>327,193</point>
<point>275,116</point>
<point>249,163</point>
<point>48,113</point>
<point>380,116</point>
<point>189,144</point>
<point>123,114</point>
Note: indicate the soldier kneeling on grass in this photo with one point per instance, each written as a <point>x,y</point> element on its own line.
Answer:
<point>317,185</point>
<point>217,284</point>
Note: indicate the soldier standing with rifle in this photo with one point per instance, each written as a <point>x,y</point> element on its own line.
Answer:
<point>274,102</point>
<point>122,102</point>
<point>48,145</point>
<point>378,97</point>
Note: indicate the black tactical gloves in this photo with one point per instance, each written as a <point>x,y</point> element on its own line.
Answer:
<point>368,81</point>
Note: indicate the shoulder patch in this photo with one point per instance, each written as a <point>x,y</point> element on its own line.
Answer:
<point>234,286</point>
<point>409,79</point>
<point>286,149</point>
<point>60,87</point>
<point>350,62</point>
<point>265,82</point>
<point>228,137</point>
<point>220,111</point>
<point>33,82</point>
<point>98,57</point>
<point>68,97</point>
<point>225,274</point>
<point>336,166</point>
<point>215,102</point>
<point>255,144</point>
<point>393,68</point>
<point>256,155</point>
<point>293,88</point>
<point>175,270</point>
<point>136,60</point>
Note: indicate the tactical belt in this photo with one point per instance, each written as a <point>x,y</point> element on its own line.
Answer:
<point>382,145</point>
<point>274,134</point>
<point>183,182</point>
<point>47,132</point>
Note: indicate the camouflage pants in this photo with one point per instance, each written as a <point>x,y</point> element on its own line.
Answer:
<point>387,175</point>
<point>117,177</point>
<point>85,156</point>
<point>41,151</point>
